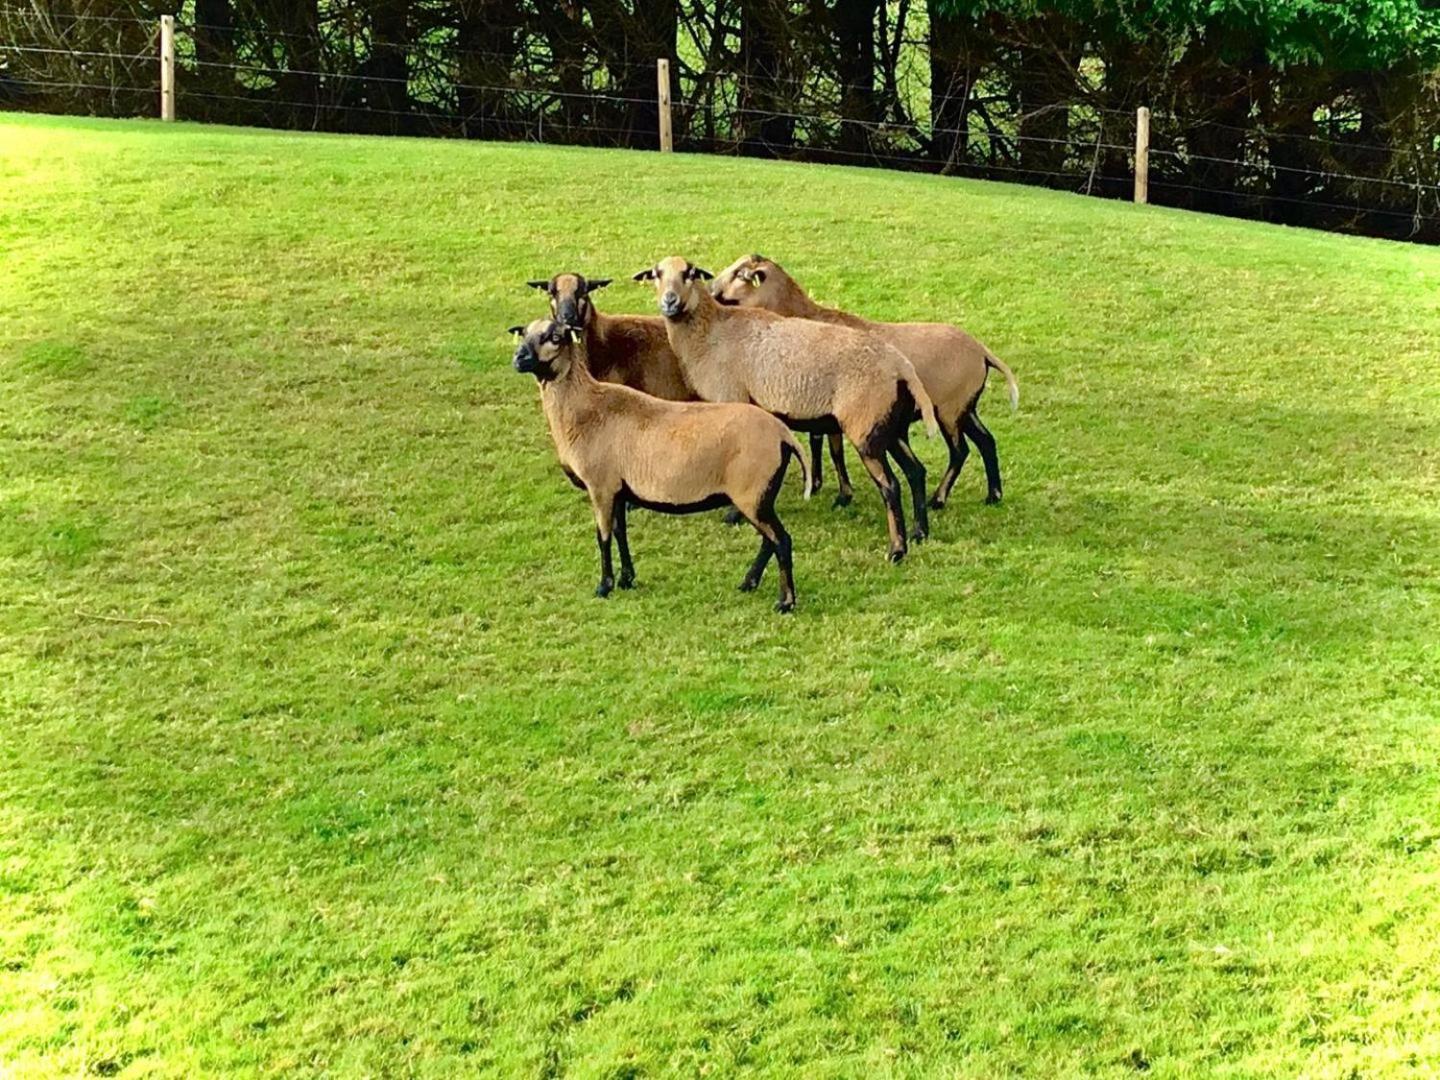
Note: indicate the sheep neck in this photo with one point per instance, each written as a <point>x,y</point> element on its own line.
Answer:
<point>799,305</point>
<point>690,335</point>
<point>570,402</point>
<point>796,303</point>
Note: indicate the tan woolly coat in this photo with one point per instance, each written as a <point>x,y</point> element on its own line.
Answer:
<point>795,368</point>
<point>634,351</point>
<point>952,364</point>
<point>664,454</point>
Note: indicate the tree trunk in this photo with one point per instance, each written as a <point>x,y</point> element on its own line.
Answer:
<point>955,65</point>
<point>630,43</point>
<point>1045,88</point>
<point>854,33</point>
<point>386,71</point>
<point>764,132</point>
<point>485,44</point>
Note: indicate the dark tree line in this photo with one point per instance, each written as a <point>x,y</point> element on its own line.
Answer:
<point>1321,112</point>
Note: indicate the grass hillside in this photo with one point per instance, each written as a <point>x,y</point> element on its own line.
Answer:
<point>317,755</point>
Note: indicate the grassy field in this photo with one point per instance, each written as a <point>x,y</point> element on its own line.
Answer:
<point>317,755</point>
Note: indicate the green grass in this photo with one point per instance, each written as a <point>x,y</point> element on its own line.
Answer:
<point>1139,771</point>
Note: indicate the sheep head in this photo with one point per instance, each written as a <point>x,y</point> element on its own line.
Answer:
<point>678,287</point>
<point>750,281</point>
<point>547,349</point>
<point>570,297</point>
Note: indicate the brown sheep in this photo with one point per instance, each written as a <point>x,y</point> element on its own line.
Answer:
<point>626,448</point>
<point>809,374</point>
<point>631,350</point>
<point>952,365</point>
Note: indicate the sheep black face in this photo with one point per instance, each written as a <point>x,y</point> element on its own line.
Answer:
<point>570,297</point>
<point>677,282</point>
<point>544,350</point>
<point>744,282</point>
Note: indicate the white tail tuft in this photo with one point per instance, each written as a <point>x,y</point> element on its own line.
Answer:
<point>794,445</point>
<point>1011,384</point>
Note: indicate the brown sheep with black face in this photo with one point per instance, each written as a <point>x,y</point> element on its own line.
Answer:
<point>810,374</point>
<point>627,448</point>
<point>631,350</point>
<point>952,365</point>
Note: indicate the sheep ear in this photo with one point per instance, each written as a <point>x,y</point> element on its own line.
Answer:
<point>516,330</point>
<point>645,275</point>
<point>591,286</point>
<point>539,285</point>
<point>693,272</point>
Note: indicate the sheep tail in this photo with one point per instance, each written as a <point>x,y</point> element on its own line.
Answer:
<point>792,445</point>
<point>922,400</point>
<point>1004,369</point>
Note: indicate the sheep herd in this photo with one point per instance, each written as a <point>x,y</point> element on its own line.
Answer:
<point>694,409</point>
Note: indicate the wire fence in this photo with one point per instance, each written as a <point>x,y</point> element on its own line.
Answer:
<point>109,65</point>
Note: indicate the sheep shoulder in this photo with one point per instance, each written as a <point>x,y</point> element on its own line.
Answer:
<point>634,351</point>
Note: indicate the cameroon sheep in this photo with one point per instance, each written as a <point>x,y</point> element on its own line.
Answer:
<point>632,350</point>
<point>623,447</point>
<point>809,374</point>
<point>952,365</point>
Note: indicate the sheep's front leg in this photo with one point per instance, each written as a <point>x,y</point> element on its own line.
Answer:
<point>842,475</point>
<point>817,460</point>
<point>604,507</point>
<point>627,568</point>
<point>914,470</point>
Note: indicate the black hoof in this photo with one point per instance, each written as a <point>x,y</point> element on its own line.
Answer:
<point>626,583</point>
<point>784,607</point>
<point>919,536</point>
<point>603,589</point>
<point>937,503</point>
<point>749,586</point>
<point>992,498</point>
<point>843,499</point>
<point>897,555</point>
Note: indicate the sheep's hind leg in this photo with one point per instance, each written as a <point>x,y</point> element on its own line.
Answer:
<point>985,442</point>
<point>842,475</point>
<point>622,540</point>
<point>884,477</point>
<point>774,540</point>
<point>914,470</point>
<point>959,451</point>
<point>751,581</point>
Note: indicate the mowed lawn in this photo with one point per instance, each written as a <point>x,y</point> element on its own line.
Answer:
<point>317,755</point>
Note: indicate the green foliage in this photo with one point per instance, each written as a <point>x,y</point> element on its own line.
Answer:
<point>1343,34</point>
<point>317,757</point>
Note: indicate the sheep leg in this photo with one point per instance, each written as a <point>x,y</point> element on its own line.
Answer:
<point>622,540</point>
<point>959,451</point>
<point>780,539</point>
<point>604,517</point>
<point>884,477</point>
<point>980,435</point>
<point>817,470</point>
<point>774,540</point>
<point>842,476</point>
<point>733,516</point>
<point>751,581</point>
<point>914,470</point>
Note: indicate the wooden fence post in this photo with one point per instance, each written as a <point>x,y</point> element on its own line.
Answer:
<point>662,77</point>
<point>167,67</point>
<point>1142,155</point>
